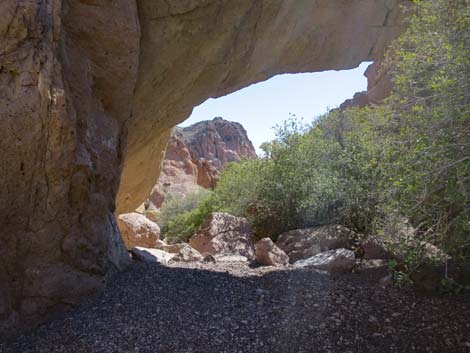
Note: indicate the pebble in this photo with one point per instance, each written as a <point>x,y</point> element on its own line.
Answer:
<point>229,308</point>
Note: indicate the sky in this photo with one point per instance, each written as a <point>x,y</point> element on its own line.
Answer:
<point>263,105</point>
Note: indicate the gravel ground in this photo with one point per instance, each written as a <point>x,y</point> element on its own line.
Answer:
<point>233,308</point>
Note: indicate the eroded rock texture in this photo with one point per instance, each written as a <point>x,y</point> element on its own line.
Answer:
<point>92,87</point>
<point>67,75</point>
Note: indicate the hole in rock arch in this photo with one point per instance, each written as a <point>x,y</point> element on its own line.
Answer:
<point>261,106</point>
<point>201,147</point>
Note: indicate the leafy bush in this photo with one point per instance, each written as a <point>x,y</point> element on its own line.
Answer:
<point>308,177</point>
<point>181,216</point>
<point>427,139</point>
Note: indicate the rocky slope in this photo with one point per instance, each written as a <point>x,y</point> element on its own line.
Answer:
<point>196,154</point>
<point>89,92</point>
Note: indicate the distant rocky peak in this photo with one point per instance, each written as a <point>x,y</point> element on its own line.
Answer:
<point>196,154</point>
<point>218,141</point>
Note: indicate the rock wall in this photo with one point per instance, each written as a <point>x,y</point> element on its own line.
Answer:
<point>196,154</point>
<point>67,79</point>
<point>89,92</point>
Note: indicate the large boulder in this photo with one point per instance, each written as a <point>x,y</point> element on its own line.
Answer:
<point>230,258</point>
<point>268,254</point>
<point>222,233</point>
<point>151,255</point>
<point>304,243</point>
<point>165,254</point>
<point>375,248</point>
<point>138,230</point>
<point>183,252</point>
<point>339,260</point>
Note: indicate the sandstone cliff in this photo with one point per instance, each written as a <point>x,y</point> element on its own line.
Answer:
<point>90,90</point>
<point>196,154</point>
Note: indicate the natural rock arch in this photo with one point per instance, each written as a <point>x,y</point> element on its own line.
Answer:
<point>89,90</point>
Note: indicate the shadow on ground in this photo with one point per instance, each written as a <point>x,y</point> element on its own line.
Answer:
<point>154,308</point>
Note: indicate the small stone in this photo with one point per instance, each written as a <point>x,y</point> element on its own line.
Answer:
<point>372,319</point>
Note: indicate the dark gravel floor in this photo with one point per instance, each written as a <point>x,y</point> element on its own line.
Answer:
<point>232,308</point>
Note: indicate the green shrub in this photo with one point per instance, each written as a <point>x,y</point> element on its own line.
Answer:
<point>427,135</point>
<point>308,177</point>
<point>181,216</point>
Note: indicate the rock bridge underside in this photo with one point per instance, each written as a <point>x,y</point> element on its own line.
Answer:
<point>89,90</point>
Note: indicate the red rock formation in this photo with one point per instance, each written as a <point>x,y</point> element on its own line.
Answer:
<point>196,154</point>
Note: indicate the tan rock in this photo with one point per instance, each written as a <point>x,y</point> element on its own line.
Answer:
<point>172,248</point>
<point>138,230</point>
<point>268,254</point>
<point>187,254</point>
<point>151,255</point>
<point>230,258</point>
<point>222,233</point>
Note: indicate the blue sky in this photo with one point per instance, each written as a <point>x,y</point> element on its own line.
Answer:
<point>261,106</point>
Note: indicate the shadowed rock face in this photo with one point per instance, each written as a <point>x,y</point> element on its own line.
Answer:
<point>89,90</point>
<point>67,75</point>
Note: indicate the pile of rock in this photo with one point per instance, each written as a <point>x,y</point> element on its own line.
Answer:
<point>221,238</point>
<point>226,238</point>
<point>331,248</point>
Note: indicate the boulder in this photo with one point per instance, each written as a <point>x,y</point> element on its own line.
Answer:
<point>185,253</point>
<point>375,248</point>
<point>222,233</point>
<point>138,230</point>
<point>151,255</point>
<point>339,260</point>
<point>304,243</point>
<point>268,254</point>
<point>230,258</point>
<point>171,248</point>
